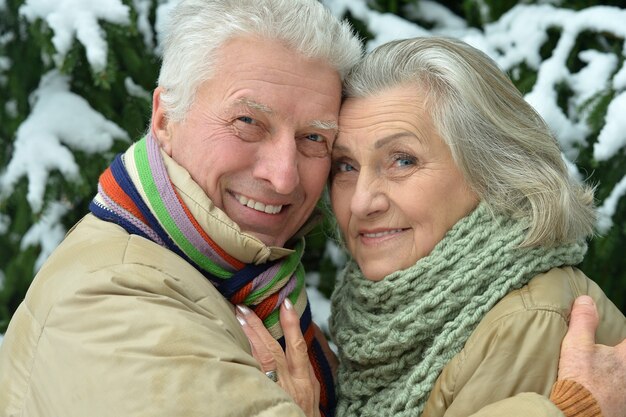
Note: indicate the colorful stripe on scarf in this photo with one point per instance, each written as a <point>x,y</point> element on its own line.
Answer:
<point>136,193</point>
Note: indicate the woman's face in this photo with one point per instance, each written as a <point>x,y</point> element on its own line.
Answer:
<point>395,189</point>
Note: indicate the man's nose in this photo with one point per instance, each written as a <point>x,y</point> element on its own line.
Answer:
<point>277,163</point>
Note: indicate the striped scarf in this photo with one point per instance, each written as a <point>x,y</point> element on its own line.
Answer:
<point>136,193</point>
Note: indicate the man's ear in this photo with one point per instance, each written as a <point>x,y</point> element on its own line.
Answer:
<point>160,124</point>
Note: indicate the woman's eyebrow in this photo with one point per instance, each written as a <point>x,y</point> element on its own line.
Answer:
<point>394,137</point>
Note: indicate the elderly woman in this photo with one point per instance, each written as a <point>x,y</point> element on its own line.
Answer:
<point>464,228</point>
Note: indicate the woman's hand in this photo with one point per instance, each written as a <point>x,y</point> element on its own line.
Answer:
<point>295,373</point>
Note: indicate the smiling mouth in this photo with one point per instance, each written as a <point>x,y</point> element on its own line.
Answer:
<point>264,208</point>
<point>381,234</point>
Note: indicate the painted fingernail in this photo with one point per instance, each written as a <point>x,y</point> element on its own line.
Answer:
<point>288,304</point>
<point>243,309</point>
<point>241,320</point>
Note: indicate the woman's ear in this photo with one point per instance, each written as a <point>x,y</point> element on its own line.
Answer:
<point>159,124</point>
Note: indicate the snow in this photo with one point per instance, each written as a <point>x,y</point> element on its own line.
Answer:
<point>384,26</point>
<point>335,253</point>
<point>593,78</point>
<point>143,21</point>
<point>436,14</point>
<point>11,108</point>
<point>59,118</point>
<point>5,62</point>
<point>619,81</point>
<point>47,232</point>
<point>530,23</point>
<point>162,14</point>
<point>606,211</point>
<point>5,221</point>
<point>61,121</point>
<point>136,90</point>
<point>612,137</point>
<point>78,19</point>
<point>320,304</point>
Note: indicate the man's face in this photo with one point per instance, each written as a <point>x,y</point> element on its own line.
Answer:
<point>258,136</point>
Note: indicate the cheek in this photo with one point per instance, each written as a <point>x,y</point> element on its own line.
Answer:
<point>466,201</point>
<point>205,162</point>
<point>318,170</point>
<point>340,204</point>
<point>313,174</point>
<point>429,218</point>
<point>425,239</point>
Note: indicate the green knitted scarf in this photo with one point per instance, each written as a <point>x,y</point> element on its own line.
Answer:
<point>396,335</point>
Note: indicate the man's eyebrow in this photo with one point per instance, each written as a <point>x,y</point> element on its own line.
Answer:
<point>324,124</point>
<point>254,105</point>
<point>317,124</point>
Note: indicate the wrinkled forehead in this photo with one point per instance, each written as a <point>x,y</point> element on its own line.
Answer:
<point>274,79</point>
<point>396,106</point>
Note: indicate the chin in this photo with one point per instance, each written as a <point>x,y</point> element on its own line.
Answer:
<point>375,274</point>
<point>269,240</point>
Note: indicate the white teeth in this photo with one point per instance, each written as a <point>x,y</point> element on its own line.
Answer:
<point>380,234</point>
<point>258,206</point>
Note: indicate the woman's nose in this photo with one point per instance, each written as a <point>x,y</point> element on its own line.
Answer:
<point>369,196</point>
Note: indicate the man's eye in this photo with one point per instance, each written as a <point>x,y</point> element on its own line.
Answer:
<point>313,137</point>
<point>313,145</point>
<point>249,129</point>
<point>247,120</point>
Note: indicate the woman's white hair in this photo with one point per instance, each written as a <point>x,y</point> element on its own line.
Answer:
<point>197,28</point>
<point>502,146</point>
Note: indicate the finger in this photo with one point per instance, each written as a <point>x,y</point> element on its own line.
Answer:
<point>260,352</point>
<point>296,348</point>
<point>583,323</point>
<point>266,349</point>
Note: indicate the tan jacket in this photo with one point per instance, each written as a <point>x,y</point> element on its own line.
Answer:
<point>115,325</point>
<point>516,347</point>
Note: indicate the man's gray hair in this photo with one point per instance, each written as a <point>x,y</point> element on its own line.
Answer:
<point>198,28</point>
<point>502,146</point>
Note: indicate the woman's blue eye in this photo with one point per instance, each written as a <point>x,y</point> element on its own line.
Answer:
<point>345,167</point>
<point>405,160</point>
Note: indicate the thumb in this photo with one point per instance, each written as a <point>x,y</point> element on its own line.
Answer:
<point>583,322</point>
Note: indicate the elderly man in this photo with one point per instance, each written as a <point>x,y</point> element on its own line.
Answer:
<point>133,314</point>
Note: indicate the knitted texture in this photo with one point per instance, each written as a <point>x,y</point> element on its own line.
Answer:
<point>574,400</point>
<point>136,193</point>
<point>396,335</point>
